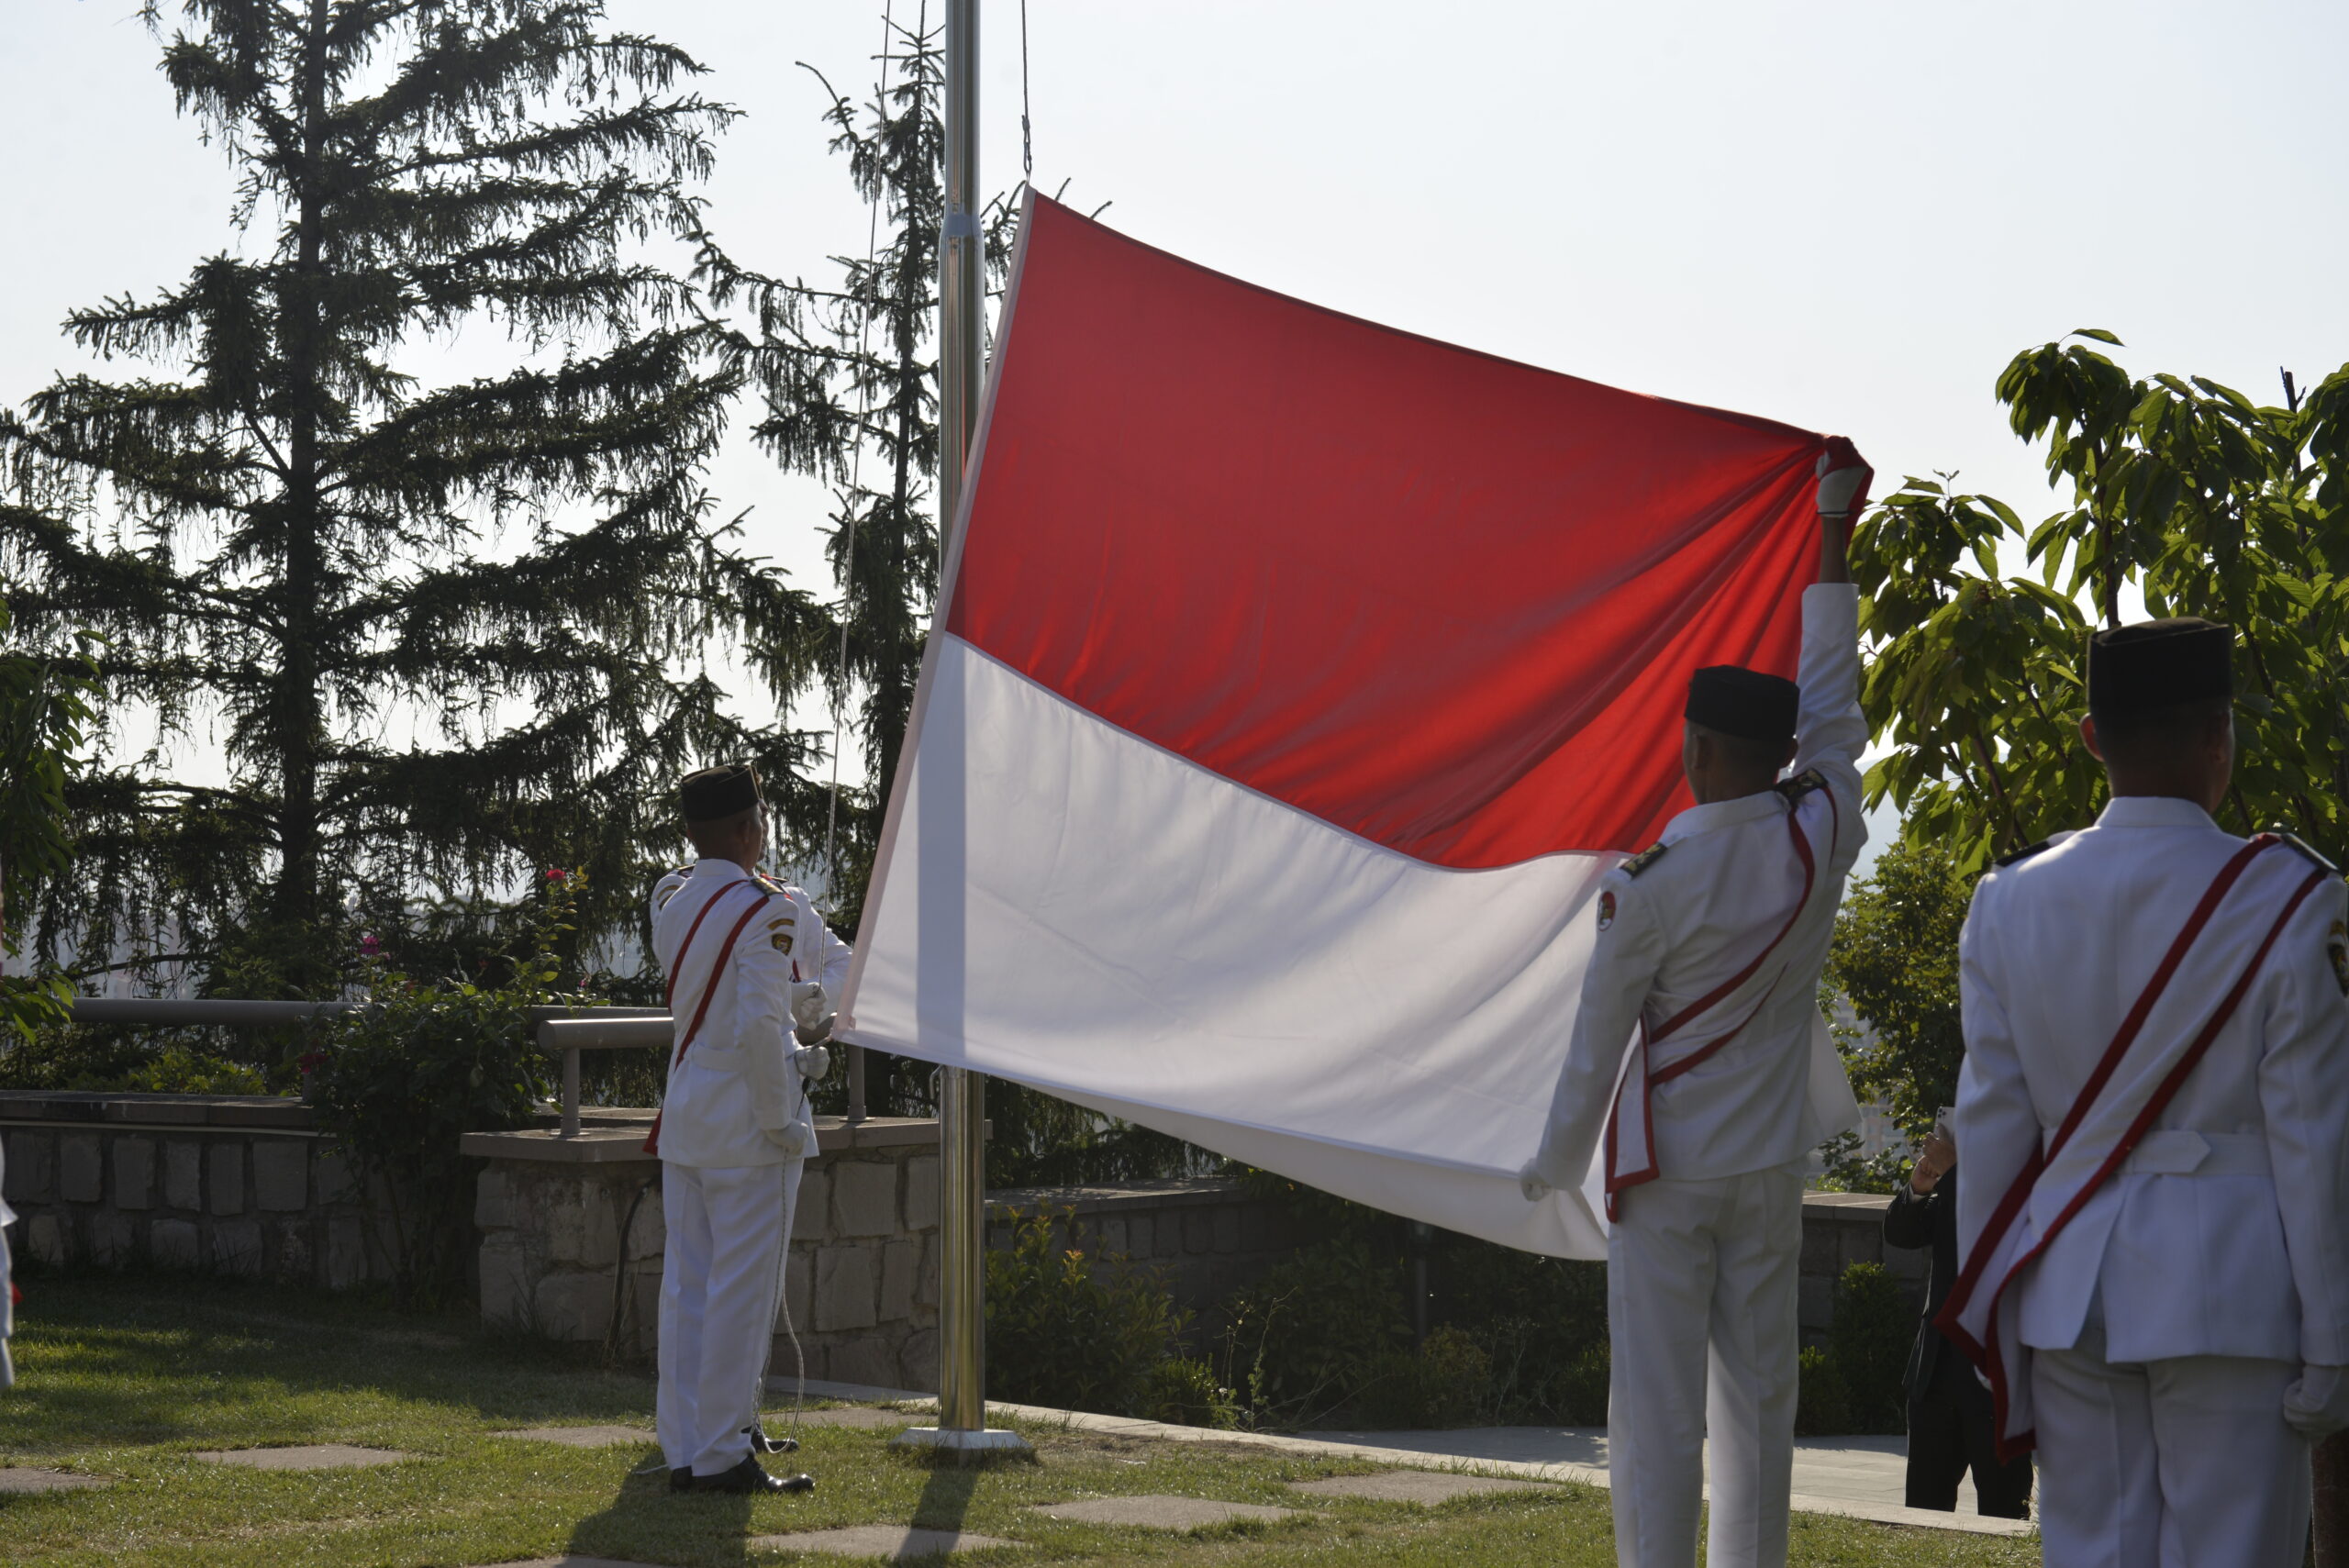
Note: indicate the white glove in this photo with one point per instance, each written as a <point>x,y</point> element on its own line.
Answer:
<point>811,1012</point>
<point>1841,477</point>
<point>1531,1184</point>
<point>792,1139</point>
<point>814,1063</point>
<point>2317,1405</point>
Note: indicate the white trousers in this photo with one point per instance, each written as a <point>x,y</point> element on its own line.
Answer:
<point>1700,1320</point>
<point>2184,1462</point>
<point>721,1285</point>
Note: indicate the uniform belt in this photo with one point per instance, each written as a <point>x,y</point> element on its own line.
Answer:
<point>2174,1151</point>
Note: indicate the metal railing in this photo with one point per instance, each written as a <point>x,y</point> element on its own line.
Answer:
<point>560,1031</point>
<point>566,1034</point>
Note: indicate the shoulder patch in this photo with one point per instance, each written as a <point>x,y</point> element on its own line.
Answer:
<point>2023,854</point>
<point>2302,845</point>
<point>1802,785</point>
<point>1644,860</point>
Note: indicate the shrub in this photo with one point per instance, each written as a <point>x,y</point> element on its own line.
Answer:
<point>177,1070</point>
<point>1874,1326</point>
<point>126,1058</point>
<point>1311,1333</point>
<point>1822,1405</point>
<point>1851,1386</point>
<point>1070,1331</point>
<point>1185,1392</point>
<point>1446,1383</point>
<point>1542,1324</point>
<point>1543,1375</point>
<point>406,1074</point>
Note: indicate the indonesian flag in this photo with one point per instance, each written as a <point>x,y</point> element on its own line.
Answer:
<point>1297,679</point>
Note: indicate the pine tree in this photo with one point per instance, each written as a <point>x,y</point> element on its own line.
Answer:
<point>443,634</point>
<point>46,710</point>
<point>848,376</point>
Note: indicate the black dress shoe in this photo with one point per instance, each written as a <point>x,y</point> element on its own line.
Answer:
<point>762,1443</point>
<point>748,1478</point>
<point>682,1478</point>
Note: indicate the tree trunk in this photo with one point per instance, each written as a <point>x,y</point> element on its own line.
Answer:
<point>298,719</point>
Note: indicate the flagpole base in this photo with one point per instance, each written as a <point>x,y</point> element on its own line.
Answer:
<point>963,1442</point>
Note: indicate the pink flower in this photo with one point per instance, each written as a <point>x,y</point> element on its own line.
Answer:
<point>370,946</point>
<point>556,874</point>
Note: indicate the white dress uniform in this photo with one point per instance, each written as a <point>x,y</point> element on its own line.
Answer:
<point>8,1295</point>
<point>2167,1318</point>
<point>735,1130</point>
<point>1703,1253</point>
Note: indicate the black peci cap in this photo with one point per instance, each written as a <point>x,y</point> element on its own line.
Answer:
<point>716,793</point>
<point>1742,701</point>
<point>2156,664</point>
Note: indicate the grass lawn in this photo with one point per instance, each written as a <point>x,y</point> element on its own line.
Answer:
<point>125,1377</point>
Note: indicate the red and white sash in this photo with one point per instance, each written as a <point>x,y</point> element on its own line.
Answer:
<point>2136,1079</point>
<point>1631,1141</point>
<point>707,986</point>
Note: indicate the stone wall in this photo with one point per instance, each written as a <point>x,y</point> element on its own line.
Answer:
<point>861,1288</point>
<point>1208,1237</point>
<point>232,1182</point>
<point>1838,1231</point>
<point>1205,1237</point>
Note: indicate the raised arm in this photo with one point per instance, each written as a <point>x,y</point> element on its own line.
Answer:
<point>1830,729</point>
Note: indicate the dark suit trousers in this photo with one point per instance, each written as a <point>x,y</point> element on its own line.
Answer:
<point>1949,1433</point>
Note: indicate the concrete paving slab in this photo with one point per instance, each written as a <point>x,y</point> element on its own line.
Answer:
<point>895,1543</point>
<point>308,1456</point>
<point>1426,1486</point>
<point>19,1479</point>
<point>1861,1477</point>
<point>1153,1512</point>
<point>581,1436</point>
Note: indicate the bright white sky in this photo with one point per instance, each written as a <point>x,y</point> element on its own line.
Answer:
<point>1844,215</point>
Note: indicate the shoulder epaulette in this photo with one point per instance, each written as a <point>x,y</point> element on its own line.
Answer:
<point>1644,860</point>
<point>1802,785</point>
<point>2302,845</point>
<point>2023,854</point>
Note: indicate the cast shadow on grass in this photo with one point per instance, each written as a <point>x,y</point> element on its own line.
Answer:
<point>645,1519</point>
<point>138,1358</point>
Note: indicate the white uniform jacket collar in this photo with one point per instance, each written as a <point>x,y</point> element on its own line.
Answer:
<point>1699,819</point>
<point>718,871</point>
<point>2154,811</point>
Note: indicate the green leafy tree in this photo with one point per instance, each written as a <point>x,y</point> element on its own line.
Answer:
<point>443,634</point>
<point>2202,501</point>
<point>46,711</point>
<point>1894,960</point>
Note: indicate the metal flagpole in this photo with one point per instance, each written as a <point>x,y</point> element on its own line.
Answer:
<point>961,277</point>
